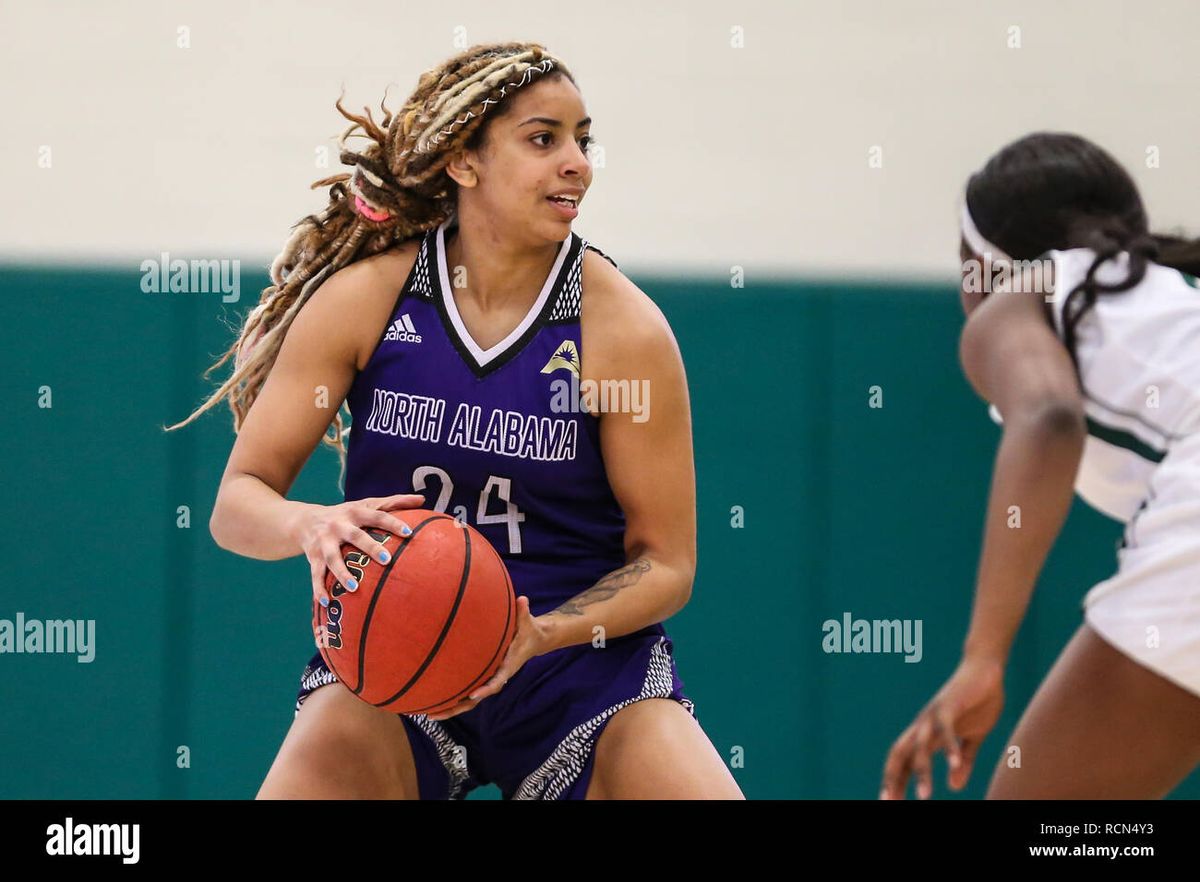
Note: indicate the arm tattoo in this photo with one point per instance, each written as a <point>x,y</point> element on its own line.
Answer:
<point>606,587</point>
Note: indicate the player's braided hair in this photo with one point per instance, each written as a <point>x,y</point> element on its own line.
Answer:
<point>1052,190</point>
<point>399,189</point>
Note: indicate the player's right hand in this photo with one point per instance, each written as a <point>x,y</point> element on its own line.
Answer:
<point>321,531</point>
<point>957,718</point>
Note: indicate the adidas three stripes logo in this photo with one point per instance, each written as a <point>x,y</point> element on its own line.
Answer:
<point>402,330</point>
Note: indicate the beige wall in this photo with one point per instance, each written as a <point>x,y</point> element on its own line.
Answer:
<point>715,156</point>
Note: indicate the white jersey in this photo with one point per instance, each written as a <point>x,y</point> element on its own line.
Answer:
<point>1139,367</point>
<point>1139,363</point>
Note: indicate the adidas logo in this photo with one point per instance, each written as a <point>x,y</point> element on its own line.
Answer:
<point>403,331</point>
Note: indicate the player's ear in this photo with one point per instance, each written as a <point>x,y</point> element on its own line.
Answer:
<point>461,168</point>
<point>964,250</point>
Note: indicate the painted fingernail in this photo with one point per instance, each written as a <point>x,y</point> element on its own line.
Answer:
<point>406,530</point>
<point>352,584</point>
<point>324,601</point>
<point>384,556</point>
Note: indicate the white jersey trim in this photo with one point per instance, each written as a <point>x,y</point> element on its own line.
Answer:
<point>484,356</point>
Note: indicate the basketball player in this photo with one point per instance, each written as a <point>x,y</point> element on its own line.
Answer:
<point>461,320</point>
<point>1090,359</point>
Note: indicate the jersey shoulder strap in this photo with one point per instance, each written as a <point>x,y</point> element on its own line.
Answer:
<point>568,304</point>
<point>419,283</point>
<point>587,244</point>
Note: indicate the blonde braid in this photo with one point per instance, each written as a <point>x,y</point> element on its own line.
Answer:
<point>398,190</point>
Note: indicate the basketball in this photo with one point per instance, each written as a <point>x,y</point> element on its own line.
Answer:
<point>425,629</point>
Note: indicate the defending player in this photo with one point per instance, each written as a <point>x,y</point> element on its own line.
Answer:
<point>1090,357</point>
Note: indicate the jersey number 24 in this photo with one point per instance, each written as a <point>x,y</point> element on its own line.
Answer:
<point>512,516</point>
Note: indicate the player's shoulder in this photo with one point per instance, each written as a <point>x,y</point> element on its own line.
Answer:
<point>374,273</point>
<point>356,300</point>
<point>622,313</point>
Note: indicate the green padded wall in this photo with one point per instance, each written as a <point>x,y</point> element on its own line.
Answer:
<point>875,512</point>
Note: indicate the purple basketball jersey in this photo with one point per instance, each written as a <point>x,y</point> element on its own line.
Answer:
<point>495,437</point>
<point>498,438</point>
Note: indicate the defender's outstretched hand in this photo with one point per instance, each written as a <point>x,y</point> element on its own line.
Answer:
<point>957,719</point>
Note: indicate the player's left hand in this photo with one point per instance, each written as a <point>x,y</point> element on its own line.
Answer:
<point>530,640</point>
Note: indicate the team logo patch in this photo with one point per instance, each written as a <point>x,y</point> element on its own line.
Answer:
<point>566,356</point>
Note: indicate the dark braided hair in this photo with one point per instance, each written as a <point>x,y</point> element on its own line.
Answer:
<point>1053,190</point>
<point>401,179</point>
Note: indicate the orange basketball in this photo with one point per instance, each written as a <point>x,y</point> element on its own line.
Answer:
<point>425,629</point>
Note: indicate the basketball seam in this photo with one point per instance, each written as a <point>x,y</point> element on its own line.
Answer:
<point>362,640</point>
<point>462,588</point>
<point>508,612</point>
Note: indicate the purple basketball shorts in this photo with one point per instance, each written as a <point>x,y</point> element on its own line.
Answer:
<point>535,738</point>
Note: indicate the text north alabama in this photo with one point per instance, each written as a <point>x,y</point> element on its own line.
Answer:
<point>503,432</point>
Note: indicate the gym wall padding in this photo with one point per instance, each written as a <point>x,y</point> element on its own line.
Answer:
<point>845,508</point>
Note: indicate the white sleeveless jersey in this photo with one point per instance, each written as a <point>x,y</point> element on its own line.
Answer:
<point>1139,363</point>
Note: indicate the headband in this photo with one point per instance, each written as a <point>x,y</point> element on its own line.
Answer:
<point>497,70</point>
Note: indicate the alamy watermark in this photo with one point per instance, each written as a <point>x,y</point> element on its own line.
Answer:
<point>76,636</point>
<point>571,394</point>
<point>163,275</point>
<point>874,636</point>
<point>1007,275</point>
<point>115,840</point>
<point>601,396</point>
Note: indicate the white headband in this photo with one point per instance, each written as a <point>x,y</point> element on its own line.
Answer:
<point>975,240</point>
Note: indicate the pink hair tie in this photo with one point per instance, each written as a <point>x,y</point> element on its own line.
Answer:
<point>368,212</point>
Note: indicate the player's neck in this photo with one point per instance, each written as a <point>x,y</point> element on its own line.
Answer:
<point>496,272</point>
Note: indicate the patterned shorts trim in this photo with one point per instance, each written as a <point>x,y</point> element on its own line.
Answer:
<point>451,754</point>
<point>567,762</point>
